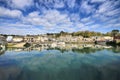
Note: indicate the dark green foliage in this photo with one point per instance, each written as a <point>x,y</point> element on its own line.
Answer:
<point>0,48</point>
<point>27,45</point>
<point>118,44</point>
<point>111,43</point>
<point>86,33</point>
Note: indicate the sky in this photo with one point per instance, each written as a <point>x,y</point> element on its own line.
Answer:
<point>23,17</point>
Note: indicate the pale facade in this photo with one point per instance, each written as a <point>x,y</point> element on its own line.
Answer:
<point>70,38</point>
<point>35,39</point>
<point>108,38</point>
<point>17,39</point>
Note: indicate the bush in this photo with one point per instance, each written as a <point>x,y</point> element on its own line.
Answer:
<point>111,43</point>
<point>27,45</point>
<point>118,44</point>
<point>0,48</point>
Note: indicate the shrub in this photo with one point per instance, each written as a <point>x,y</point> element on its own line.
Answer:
<point>27,45</point>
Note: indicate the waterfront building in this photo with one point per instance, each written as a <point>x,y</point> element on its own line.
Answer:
<point>108,38</point>
<point>70,38</point>
<point>35,39</point>
<point>97,38</point>
<point>9,38</point>
<point>30,39</point>
<point>117,39</point>
<point>17,39</point>
<point>3,42</point>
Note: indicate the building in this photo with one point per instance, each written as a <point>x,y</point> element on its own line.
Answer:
<point>108,38</point>
<point>9,38</point>
<point>30,39</point>
<point>117,39</point>
<point>18,39</point>
<point>97,38</point>
<point>88,39</point>
<point>65,38</point>
<point>35,39</point>
<point>3,42</point>
<point>70,38</point>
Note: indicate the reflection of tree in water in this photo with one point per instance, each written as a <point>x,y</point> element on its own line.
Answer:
<point>116,49</point>
<point>85,50</point>
<point>61,50</point>
<point>2,52</point>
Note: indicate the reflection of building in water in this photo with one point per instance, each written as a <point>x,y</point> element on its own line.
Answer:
<point>57,44</point>
<point>61,47</point>
<point>80,46</point>
<point>2,44</point>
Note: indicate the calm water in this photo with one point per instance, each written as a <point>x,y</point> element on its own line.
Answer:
<point>57,64</point>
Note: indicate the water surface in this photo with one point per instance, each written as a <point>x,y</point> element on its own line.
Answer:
<point>60,64</point>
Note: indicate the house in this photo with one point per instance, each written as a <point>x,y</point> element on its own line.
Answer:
<point>66,38</point>
<point>18,39</point>
<point>35,39</point>
<point>9,38</point>
<point>108,38</point>
<point>97,38</point>
<point>117,39</point>
<point>79,38</point>
<point>70,38</point>
<point>88,39</point>
<point>3,42</point>
<point>30,39</point>
<point>44,38</point>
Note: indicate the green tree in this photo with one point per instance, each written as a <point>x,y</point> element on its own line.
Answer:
<point>114,32</point>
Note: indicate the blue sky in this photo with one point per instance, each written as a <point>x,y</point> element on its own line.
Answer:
<point>51,16</point>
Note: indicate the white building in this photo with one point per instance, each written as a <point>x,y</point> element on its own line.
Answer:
<point>35,39</point>
<point>9,38</point>
<point>109,38</point>
<point>70,38</point>
<point>17,39</point>
<point>2,42</point>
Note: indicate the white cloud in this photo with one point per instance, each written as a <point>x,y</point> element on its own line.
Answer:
<point>74,17</point>
<point>20,29</point>
<point>87,19</point>
<point>50,18</point>
<point>114,12</point>
<point>10,13</point>
<point>90,22</point>
<point>95,26</point>
<point>105,7</point>
<point>86,8</point>
<point>71,3</point>
<point>114,20</point>
<point>20,4</point>
<point>108,8</point>
<point>59,4</point>
<point>117,25</point>
<point>97,1</point>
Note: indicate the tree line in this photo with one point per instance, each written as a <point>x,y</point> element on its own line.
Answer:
<point>86,33</point>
